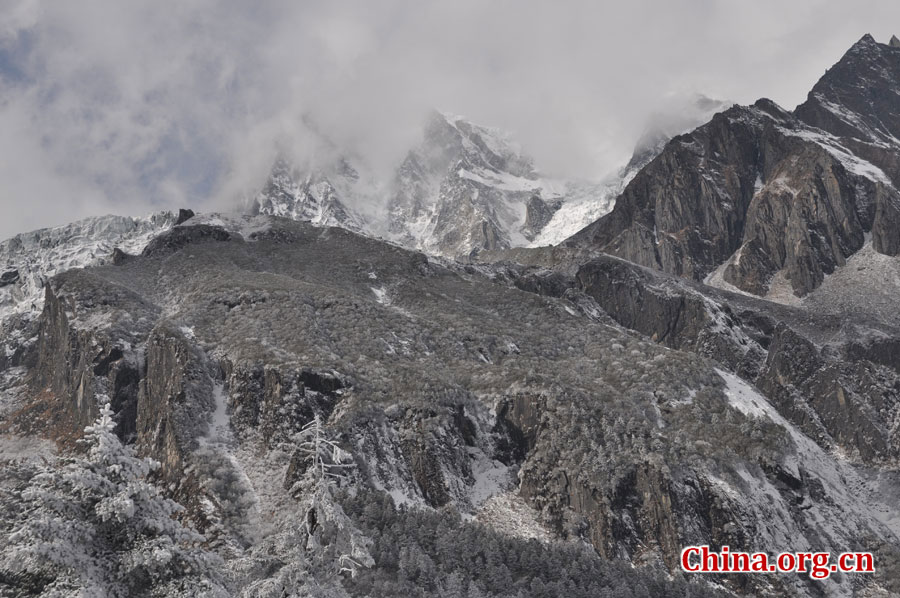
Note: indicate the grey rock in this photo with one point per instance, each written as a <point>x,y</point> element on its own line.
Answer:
<point>180,237</point>
<point>315,194</point>
<point>537,214</point>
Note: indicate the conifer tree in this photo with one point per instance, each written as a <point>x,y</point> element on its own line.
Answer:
<point>96,526</point>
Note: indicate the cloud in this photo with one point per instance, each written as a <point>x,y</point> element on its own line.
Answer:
<point>132,107</point>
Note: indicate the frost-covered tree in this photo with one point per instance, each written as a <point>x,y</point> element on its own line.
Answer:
<point>325,524</point>
<point>96,526</point>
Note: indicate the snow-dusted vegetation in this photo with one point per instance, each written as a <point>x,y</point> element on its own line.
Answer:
<point>98,526</point>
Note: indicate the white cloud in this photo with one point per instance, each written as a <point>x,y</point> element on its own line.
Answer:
<point>135,106</point>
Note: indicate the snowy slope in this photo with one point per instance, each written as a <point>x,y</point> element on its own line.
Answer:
<point>28,260</point>
<point>585,202</point>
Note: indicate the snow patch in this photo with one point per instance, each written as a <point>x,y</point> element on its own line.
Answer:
<point>381,295</point>
<point>850,161</point>
<point>248,227</point>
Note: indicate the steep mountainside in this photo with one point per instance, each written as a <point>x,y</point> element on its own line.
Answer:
<point>759,196</point>
<point>452,390</point>
<point>29,260</point>
<point>584,204</point>
<point>464,189</point>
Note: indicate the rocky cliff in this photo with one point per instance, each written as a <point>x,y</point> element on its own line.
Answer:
<point>759,195</point>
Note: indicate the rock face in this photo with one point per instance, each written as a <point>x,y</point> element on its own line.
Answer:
<point>867,123</point>
<point>176,394</point>
<point>9,277</point>
<point>183,216</point>
<point>84,360</point>
<point>469,188</point>
<point>578,395</point>
<point>464,189</point>
<point>759,191</point>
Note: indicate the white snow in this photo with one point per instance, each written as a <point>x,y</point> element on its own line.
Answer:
<point>509,514</point>
<point>220,423</point>
<point>851,162</point>
<point>501,180</point>
<point>381,295</point>
<point>216,456</point>
<point>757,184</point>
<point>241,224</point>
<point>39,255</point>
<point>856,500</point>
<point>583,204</point>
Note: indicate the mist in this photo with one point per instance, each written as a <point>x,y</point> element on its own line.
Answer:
<point>134,107</point>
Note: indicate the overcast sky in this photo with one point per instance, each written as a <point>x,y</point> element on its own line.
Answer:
<point>130,107</point>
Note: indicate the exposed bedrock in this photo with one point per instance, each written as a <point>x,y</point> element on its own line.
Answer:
<point>79,363</point>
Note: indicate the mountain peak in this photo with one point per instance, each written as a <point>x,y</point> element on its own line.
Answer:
<point>866,40</point>
<point>894,43</point>
<point>857,97</point>
<point>312,195</point>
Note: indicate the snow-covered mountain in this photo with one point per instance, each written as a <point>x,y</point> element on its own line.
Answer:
<point>585,202</point>
<point>311,195</point>
<point>468,188</point>
<point>29,260</point>
<point>344,417</point>
<point>464,188</point>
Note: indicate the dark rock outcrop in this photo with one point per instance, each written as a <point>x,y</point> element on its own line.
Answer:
<point>537,214</point>
<point>671,314</point>
<point>9,277</point>
<point>857,101</point>
<point>852,404</point>
<point>176,396</point>
<point>280,401</point>
<point>84,364</point>
<point>179,237</point>
<point>845,394</point>
<point>119,257</point>
<point>183,216</point>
